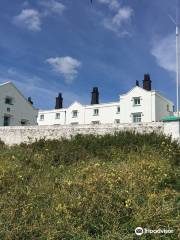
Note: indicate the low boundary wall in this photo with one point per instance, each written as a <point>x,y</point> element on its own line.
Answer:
<point>27,134</point>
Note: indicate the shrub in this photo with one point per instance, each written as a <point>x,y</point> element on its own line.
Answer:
<point>89,187</point>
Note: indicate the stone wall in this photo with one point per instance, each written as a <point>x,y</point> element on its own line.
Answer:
<point>17,135</point>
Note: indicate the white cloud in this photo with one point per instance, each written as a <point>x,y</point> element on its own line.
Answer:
<point>53,6</point>
<point>119,20</point>
<point>65,66</point>
<point>29,18</point>
<point>119,17</point>
<point>112,4</point>
<point>164,52</point>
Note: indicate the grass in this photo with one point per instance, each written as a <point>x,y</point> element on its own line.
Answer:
<point>90,187</point>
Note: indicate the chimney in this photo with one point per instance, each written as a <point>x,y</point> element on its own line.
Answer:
<point>137,83</point>
<point>59,101</point>
<point>30,100</point>
<point>95,96</point>
<point>147,82</point>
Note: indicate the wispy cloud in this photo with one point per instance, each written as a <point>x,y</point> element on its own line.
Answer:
<point>112,4</point>
<point>29,18</point>
<point>119,17</point>
<point>52,6</point>
<point>66,66</point>
<point>164,52</point>
<point>32,19</point>
<point>43,96</point>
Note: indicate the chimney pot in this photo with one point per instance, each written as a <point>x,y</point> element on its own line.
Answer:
<point>59,101</point>
<point>137,83</point>
<point>95,96</point>
<point>30,100</point>
<point>147,82</point>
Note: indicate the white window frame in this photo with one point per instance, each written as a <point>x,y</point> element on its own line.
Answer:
<point>137,117</point>
<point>41,117</point>
<point>57,116</point>
<point>136,101</point>
<point>75,113</point>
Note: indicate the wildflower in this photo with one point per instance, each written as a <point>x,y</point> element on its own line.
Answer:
<point>127,203</point>
<point>97,165</point>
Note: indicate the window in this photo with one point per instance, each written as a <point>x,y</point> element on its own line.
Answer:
<point>118,109</point>
<point>117,121</point>
<point>74,113</point>
<point>136,117</point>
<point>8,109</point>
<point>95,122</point>
<point>74,123</point>
<point>42,117</point>
<point>6,121</point>
<point>136,101</point>
<point>57,115</point>
<point>96,112</point>
<point>8,100</point>
<point>24,122</point>
<point>168,107</point>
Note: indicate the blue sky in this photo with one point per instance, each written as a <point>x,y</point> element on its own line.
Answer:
<point>69,46</point>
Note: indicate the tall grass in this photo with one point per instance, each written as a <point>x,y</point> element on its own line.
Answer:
<point>90,187</point>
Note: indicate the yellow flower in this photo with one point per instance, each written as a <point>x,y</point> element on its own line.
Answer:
<point>97,165</point>
<point>127,203</point>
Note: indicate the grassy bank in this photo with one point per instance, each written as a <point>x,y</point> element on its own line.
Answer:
<point>89,188</point>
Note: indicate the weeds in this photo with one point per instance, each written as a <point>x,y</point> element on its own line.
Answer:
<point>89,187</point>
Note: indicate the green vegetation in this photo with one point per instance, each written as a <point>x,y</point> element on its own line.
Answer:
<point>89,188</point>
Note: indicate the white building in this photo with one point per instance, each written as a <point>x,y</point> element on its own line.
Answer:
<point>137,105</point>
<point>15,109</point>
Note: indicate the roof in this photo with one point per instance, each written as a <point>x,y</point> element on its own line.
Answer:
<point>170,118</point>
<point>152,91</point>
<point>135,88</point>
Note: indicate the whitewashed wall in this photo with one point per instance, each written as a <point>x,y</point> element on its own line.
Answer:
<point>127,106</point>
<point>50,117</point>
<point>172,128</point>
<point>153,107</point>
<point>17,135</point>
<point>80,116</point>
<point>107,113</point>
<point>161,107</point>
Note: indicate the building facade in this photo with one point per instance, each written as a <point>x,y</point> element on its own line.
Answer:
<point>140,104</point>
<point>15,109</point>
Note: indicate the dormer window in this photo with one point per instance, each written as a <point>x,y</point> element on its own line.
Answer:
<point>9,100</point>
<point>136,101</point>
<point>96,112</point>
<point>74,113</point>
